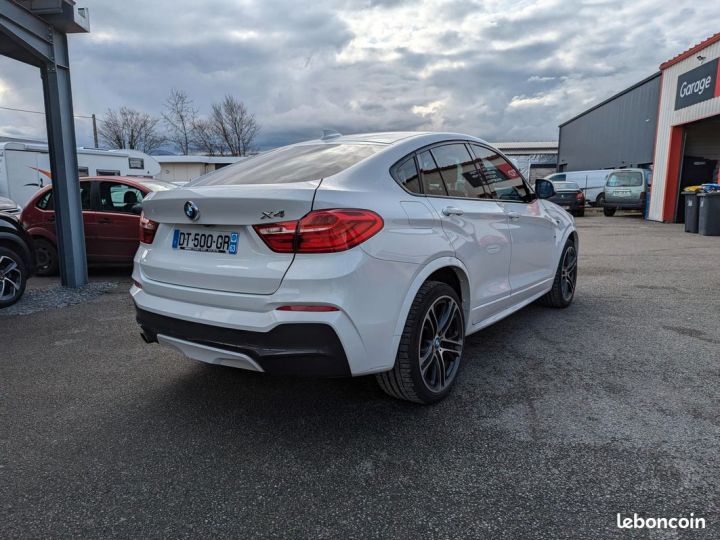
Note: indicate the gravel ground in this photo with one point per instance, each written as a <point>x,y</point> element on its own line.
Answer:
<point>560,420</point>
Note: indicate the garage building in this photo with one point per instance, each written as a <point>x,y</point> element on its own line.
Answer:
<point>687,146</point>
<point>619,132</point>
<point>669,122</point>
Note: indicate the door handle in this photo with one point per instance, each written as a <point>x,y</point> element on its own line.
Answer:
<point>452,211</point>
<point>514,216</point>
<point>105,221</point>
<point>51,219</point>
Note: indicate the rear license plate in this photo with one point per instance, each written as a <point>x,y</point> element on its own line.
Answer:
<point>621,193</point>
<point>211,242</point>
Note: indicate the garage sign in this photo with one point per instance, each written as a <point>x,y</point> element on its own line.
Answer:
<point>697,85</point>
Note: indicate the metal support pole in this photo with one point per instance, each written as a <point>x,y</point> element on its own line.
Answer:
<point>63,162</point>
<point>95,133</point>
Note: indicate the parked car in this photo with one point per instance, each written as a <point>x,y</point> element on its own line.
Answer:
<point>569,196</point>
<point>111,215</point>
<point>591,182</point>
<point>626,189</point>
<point>355,255</point>
<point>9,206</point>
<point>17,259</point>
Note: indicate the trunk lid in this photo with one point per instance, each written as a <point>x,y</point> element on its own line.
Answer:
<point>223,210</point>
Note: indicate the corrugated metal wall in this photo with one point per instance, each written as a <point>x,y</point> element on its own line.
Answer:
<point>669,117</point>
<point>618,133</point>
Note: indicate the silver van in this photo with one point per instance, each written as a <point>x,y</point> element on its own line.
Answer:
<point>626,189</point>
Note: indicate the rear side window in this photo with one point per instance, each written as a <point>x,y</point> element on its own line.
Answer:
<point>406,174</point>
<point>500,176</point>
<point>432,181</point>
<point>115,197</point>
<point>291,164</point>
<point>461,177</point>
<point>46,202</point>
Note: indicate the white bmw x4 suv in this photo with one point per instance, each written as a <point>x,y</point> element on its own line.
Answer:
<point>351,255</point>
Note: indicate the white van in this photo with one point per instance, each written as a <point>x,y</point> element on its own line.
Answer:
<point>591,182</point>
<point>25,168</point>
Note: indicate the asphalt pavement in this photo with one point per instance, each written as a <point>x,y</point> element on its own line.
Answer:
<point>560,420</point>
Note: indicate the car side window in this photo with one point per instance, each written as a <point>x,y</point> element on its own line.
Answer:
<point>406,174</point>
<point>501,177</point>
<point>461,177</point>
<point>432,181</point>
<point>116,197</point>
<point>46,202</point>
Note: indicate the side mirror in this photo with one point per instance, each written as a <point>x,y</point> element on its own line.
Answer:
<point>544,188</point>
<point>136,208</point>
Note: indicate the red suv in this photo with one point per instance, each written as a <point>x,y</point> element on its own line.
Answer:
<point>111,214</point>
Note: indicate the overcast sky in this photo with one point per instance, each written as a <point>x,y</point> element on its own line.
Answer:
<point>500,70</point>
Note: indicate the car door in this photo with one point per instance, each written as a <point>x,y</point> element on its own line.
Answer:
<point>45,207</point>
<point>532,229</point>
<point>476,225</point>
<point>117,226</point>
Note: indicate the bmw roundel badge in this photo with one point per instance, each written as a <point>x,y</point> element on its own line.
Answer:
<point>191,210</point>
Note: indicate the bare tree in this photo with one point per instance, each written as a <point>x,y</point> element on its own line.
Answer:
<point>234,125</point>
<point>132,129</point>
<point>179,117</point>
<point>205,139</point>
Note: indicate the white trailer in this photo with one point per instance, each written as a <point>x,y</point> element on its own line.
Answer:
<point>25,168</point>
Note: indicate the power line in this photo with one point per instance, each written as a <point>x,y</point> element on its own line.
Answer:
<point>40,112</point>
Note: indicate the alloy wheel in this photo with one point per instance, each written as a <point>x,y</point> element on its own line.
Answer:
<point>568,273</point>
<point>441,343</point>
<point>10,278</point>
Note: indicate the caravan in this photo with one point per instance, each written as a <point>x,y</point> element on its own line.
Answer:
<point>25,168</point>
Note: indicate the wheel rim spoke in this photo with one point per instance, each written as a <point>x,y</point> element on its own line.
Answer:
<point>441,343</point>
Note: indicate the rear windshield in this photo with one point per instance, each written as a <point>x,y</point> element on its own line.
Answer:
<point>625,179</point>
<point>290,164</point>
<point>566,186</point>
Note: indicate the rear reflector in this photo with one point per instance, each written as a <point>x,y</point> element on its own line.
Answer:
<point>321,231</point>
<point>137,284</point>
<point>148,228</point>
<point>315,309</point>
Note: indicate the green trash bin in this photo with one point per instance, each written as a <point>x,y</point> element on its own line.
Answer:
<point>691,211</point>
<point>709,213</point>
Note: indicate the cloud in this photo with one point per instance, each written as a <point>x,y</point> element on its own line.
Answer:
<point>502,70</point>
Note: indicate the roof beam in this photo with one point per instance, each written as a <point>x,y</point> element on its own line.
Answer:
<point>27,31</point>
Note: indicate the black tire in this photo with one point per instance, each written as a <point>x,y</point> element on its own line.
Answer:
<point>13,277</point>
<point>600,200</point>
<point>609,211</point>
<point>46,256</point>
<point>407,380</point>
<point>563,290</point>
<point>580,213</point>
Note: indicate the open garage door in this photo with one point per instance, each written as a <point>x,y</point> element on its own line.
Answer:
<point>701,157</point>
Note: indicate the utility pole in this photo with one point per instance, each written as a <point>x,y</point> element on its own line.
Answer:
<point>95,135</point>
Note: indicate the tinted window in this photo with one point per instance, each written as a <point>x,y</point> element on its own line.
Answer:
<point>104,172</point>
<point>116,197</point>
<point>46,202</point>
<point>500,176</point>
<point>291,164</point>
<point>625,179</point>
<point>430,173</point>
<point>462,178</point>
<point>406,174</point>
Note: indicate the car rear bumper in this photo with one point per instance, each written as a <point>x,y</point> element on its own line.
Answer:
<point>623,204</point>
<point>309,349</point>
<point>357,338</point>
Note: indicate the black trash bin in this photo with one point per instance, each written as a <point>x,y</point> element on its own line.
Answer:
<point>691,211</point>
<point>709,213</point>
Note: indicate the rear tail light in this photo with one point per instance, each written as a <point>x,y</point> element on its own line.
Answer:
<point>580,196</point>
<point>321,231</point>
<point>148,228</point>
<point>642,195</point>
